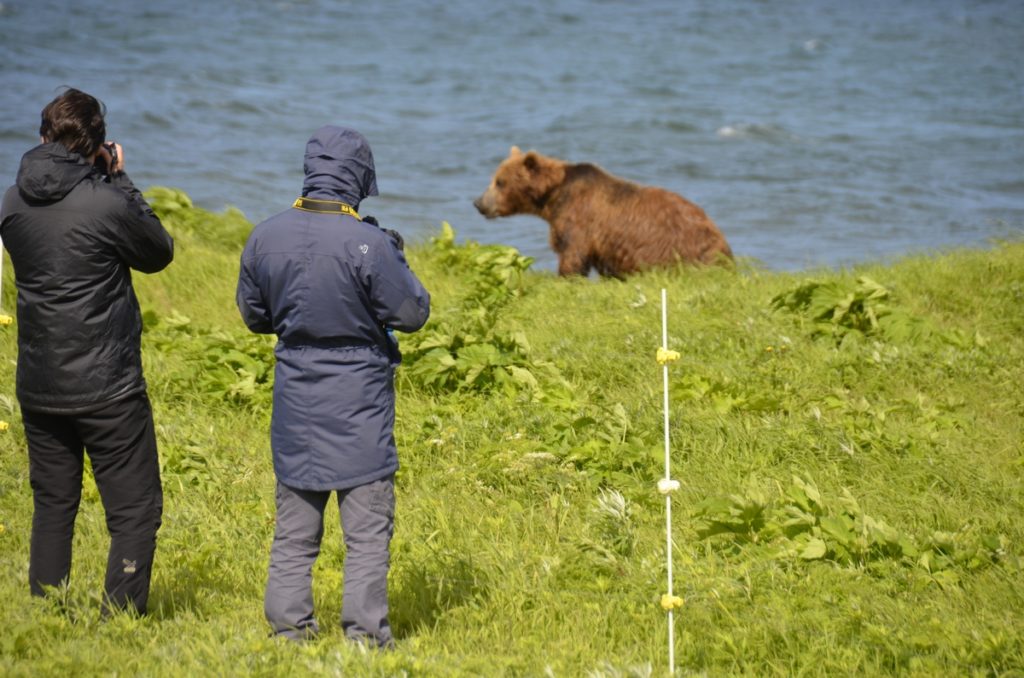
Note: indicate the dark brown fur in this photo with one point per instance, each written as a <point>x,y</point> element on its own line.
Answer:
<point>600,221</point>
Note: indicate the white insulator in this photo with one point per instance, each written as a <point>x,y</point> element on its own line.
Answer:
<point>666,485</point>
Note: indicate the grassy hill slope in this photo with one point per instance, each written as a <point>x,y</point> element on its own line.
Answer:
<point>848,445</point>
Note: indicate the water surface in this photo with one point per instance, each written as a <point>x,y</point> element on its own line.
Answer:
<point>814,132</point>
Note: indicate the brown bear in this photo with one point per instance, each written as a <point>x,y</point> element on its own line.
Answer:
<point>600,221</point>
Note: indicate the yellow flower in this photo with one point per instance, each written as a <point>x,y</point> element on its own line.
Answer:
<point>4,426</point>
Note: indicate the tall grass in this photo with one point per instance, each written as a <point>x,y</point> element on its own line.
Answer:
<point>848,443</point>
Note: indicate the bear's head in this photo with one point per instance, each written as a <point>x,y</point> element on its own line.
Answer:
<point>521,184</point>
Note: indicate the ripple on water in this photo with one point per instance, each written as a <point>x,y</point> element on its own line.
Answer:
<point>157,120</point>
<point>758,131</point>
<point>241,106</point>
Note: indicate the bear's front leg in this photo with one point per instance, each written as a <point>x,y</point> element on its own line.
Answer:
<point>573,262</point>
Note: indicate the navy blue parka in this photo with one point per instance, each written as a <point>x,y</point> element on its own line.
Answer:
<point>330,286</point>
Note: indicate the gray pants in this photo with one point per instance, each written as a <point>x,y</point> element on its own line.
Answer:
<point>367,521</point>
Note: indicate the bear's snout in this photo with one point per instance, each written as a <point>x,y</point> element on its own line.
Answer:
<point>485,206</point>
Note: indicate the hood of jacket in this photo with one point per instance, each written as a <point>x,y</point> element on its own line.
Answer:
<point>339,166</point>
<point>48,172</point>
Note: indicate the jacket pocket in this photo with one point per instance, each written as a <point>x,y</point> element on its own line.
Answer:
<point>382,497</point>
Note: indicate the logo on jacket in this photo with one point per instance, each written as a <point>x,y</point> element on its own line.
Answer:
<point>364,248</point>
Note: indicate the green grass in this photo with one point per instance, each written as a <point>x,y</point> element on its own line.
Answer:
<point>848,445</point>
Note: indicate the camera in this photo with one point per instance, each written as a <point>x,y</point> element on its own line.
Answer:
<point>101,160</point>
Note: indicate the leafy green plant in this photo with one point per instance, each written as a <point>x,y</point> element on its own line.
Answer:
<point>741,517</point>
<point>217,365</point>
<point>841,312</point>
<point>725,395</point>
<point>465,350</point>
<point>189,463</point>
<point>840,532</point>
<point>601,442</point>
<point>806,526</point>
<point>179,216</point>
<point>882,426</point>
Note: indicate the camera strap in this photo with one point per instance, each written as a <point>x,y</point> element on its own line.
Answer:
<point>325,206</point>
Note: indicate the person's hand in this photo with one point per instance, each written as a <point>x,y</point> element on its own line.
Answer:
<point>395,236</point>
<point>112,155</point>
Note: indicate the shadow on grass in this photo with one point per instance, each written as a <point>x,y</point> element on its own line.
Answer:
<point>422,592</point>
<point>178,599</point>
<point>189,590</point>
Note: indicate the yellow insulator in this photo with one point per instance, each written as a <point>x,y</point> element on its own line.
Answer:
<point>671,602</point>
<point>5,319</point>
<point>665,356</point>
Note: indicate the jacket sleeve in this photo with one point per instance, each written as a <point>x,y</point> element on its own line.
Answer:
<point>145,245</point>
<point>399,300</point>
<point>249,298</point>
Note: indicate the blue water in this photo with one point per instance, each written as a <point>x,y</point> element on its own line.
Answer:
<point>815,133</point>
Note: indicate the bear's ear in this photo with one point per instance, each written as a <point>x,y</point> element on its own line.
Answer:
<point>514,151</point>
<point>531,161</point>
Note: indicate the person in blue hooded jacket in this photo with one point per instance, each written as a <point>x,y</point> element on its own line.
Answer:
<point>331,285</point>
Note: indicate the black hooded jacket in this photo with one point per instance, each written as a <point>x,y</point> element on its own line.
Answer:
<point>73,236</point>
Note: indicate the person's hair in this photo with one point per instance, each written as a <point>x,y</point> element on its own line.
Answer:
<point>75,121</point>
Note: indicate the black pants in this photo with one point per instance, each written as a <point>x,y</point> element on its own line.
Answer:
<point>122,448</point>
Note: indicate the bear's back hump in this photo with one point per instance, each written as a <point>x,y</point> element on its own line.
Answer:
<point>587,176</point>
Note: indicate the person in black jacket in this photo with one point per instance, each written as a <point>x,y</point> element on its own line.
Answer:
<point>74,225</point>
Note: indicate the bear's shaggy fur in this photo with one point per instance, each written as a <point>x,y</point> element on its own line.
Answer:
<point>600,221</point>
